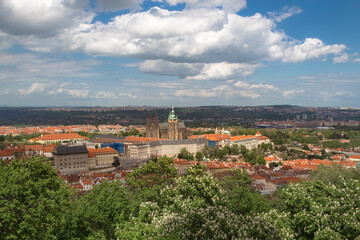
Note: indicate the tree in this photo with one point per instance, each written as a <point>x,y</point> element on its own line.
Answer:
<point>325,209</point>
<point>185,154</point>
<point>334,174</point>
<point>116,163</point>
<point>33,200</point>
<point>199,156</point>
<point>96,214</point>
<point>240,198</point>
<point>235,149</point>
<point>157,172</point>
<point>243,150</point>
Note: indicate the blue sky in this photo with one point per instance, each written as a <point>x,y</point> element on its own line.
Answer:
<point>179,52</point>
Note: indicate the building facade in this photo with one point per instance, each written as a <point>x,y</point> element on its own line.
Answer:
<point>70,159</point>
<point>172,129</point>
<point>169,148</point>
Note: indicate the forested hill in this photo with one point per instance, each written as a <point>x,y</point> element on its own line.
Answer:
<point>216,114</point>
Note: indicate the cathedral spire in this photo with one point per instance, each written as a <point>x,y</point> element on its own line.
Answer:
<point>172,115</point>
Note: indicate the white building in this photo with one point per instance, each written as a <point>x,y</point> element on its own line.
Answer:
<point>169,148</point>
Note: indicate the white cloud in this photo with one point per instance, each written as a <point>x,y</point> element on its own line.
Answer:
<point>103,94</point>
<point>161,67</point>
<point>34,88</point>
<point>34,67</point>
<point>224,70</point>
<point>78,93</point>
<point>40,17</point>
<point>356,60</point>
<point>128,95</point>
<point>240,88</point>
<point>115,5</point>
<point>292,92</point>
<point>226,5</point>
<point>4,92</point>
<point>195,93</point>
<point>311,48</point>
<point>245,85</point>
<point>204,41</point>
<point>342,59</point>
<point>333,94</point>
<point>285,13</point>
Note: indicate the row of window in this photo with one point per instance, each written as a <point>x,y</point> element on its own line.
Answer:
<point>74,158</point>
<point>73,167</point>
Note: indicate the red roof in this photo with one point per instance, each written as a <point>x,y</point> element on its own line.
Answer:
<point>107,150</point>
<point>62,136</point>
<point>33,148</point>
<point>87,181</point>
<point>6,153</point>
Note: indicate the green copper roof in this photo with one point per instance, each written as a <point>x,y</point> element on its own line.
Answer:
<point>172,115</point>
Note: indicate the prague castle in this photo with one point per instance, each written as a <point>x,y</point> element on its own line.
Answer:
<point>172,129</point>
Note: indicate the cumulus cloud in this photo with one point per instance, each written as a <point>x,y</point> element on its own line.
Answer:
<point>341,59</point>
<point>161,67</point>
<point>224,70</point>
<point>328,95</point>
<point>40,17</point>
<point>245,85</point>
<point>128,95</point>
<point>226,5</point>
<point>103,94</point>
<point>115,5</point>
<point>240,88</point>
<point>78,93</point>
<point>292,92</point>
<point>196,36</point>
<point>285,13</point>
<point>34,88</point>
<point>205,41</point>
<point>311,48</point>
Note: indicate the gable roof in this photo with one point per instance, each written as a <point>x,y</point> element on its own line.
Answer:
<point>65,150</point>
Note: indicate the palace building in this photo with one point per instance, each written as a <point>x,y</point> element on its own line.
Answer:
<point>172,129</point>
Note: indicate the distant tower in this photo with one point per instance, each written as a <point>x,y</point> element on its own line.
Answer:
<point>156,127</point>
<point>173,130</point>
<point>148,126</point>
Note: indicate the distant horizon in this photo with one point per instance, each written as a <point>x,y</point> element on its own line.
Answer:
<point>179,52</point>
<point>169,106</point>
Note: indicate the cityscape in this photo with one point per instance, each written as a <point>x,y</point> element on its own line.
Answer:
<point>179,119</point>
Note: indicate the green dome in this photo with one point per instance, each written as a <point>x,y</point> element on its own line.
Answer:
<point>172,115</point>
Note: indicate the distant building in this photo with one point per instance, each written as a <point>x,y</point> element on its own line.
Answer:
<point>102,157</point>
<point>172,129</point>
<point>70,159</point>
<point>55,138</point>
<point>7,154</point>
<point>169,148</point>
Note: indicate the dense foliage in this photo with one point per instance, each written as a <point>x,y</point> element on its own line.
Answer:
<point>159,204</point>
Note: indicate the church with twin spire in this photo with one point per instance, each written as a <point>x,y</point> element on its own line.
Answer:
<point>172,129</point>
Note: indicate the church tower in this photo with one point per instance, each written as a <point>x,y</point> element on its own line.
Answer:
<point>148,126</point>
<point>156,127</point>
<point>173,130</point>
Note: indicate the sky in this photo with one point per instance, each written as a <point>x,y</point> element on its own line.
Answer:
<point>179,52</point>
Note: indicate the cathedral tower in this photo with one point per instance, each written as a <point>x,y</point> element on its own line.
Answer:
<point>173,130</point>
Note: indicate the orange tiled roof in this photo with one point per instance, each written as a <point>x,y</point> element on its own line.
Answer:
<point>107,150</point>
<point>61,136</point>
<point>212,137</point>
<point>33,147</point>
<point>87,181</point>
<point>354,156</point>
<point>6,153</point>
